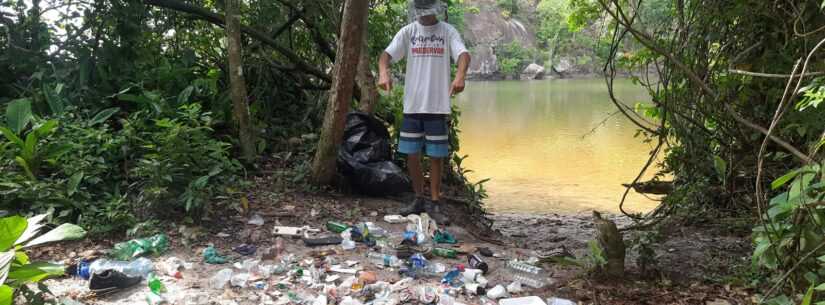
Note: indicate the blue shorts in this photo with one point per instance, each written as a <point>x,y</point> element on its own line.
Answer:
<point>424,130</point>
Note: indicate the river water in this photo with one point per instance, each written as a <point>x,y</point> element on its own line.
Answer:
<point>536,141</point>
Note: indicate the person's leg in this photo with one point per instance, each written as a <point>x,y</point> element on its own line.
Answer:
<point>416,173</point>
<point>436,165</point>
<point>410,143</point>
<point>437,148</point>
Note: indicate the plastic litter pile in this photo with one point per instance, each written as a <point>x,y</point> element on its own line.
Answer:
<point>417,265</point>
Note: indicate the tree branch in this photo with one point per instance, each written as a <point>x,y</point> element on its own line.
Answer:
<point>218,19</point>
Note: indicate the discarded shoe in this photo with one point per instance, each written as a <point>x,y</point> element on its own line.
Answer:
<point>110,281</point>
<point>433,208</point>
<point>416,207</point>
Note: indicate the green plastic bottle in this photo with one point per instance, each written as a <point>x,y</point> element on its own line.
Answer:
<point>128,250</point>
<point>448,253</point>
<point>336,227</point>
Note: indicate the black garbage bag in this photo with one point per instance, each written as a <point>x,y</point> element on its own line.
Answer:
<point>365,157</point>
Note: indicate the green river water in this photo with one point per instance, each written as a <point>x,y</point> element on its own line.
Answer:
<point>534,140</point>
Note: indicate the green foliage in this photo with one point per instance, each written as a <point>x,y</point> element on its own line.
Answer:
<point>513,58</point>
<point>16,270</point>
<point>509,6</point>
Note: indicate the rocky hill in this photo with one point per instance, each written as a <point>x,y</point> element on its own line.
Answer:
<point>489,28</point>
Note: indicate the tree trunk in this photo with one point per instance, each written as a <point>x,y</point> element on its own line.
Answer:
<point>340,96</point>
<point>240,108</point>
<point>365,79</point>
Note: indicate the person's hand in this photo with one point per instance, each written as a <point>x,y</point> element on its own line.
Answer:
<point>457,86</point>
<point>385,82</point>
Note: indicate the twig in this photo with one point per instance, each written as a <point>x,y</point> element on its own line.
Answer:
<point>772,75</point>
<point>788,273</point>
<point>600,124</point>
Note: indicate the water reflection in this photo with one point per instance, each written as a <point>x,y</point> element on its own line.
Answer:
<point>534,140</point>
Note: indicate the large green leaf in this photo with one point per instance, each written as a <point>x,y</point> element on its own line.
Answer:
<point>721,167</point>
<point>5,264</point>
<point>34,272</point>
<point>65,231</point>
<point>806,300</point>
<point>10,229</point>
<point>30,147</point>
<point>784,179</point>
<point>5,295</point>
<point>103,115</point>
<point>74,182</point>
<point>54,100</point>
<point>45,128</point>
<point>33,227</point>
<point>11,136</point>
<point>19,114</point>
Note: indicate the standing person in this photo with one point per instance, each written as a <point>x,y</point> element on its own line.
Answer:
<point>429,44</point>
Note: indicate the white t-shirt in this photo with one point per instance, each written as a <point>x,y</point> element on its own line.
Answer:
<point>428,48</point>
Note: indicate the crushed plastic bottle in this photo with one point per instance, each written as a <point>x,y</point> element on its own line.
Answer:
<point>454,277</point>
<point>375,230</point>
<point>515,287</point>
<point>527,274</point>
<point>239,280</point>
<point>421,267</point>
<point>140,267</point>
<point>427,294</point>
<point>445,299</point>
<point>384,259</point>
<point>219,280</point>
<point>173,266</point>
<point>83,269</point>
<point>127,250</point>
<point>347,243</point>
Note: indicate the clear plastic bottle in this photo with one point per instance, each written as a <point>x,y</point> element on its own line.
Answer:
<point>527,274</point>
<point>140,267</point>
<point>384,259</point>
<point>220,279</point>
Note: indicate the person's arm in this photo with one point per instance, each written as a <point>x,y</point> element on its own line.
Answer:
<point>384,79</point>
<point>458,82</point>
<point>394,52</point>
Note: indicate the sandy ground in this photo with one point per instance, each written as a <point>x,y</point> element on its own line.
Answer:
<point>684,260</point>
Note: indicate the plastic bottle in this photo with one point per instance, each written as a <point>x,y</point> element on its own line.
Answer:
<point>140,267</point>
<point>130,249</point>
<point>453,277</point>
<point>83,269</point>
<point>527,274</point>
<point>375,230</point>
<point>336,227</point>
<point>384,259</point>
<point>219,280</point>
<point>448,253</point>
<point>347,243</point>
<point>278,248</point>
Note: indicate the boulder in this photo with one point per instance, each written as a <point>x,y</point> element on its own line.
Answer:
<point>563,65</point>
<point>532,71</point>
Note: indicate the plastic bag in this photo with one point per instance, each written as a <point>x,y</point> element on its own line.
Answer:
<point>365,157</point>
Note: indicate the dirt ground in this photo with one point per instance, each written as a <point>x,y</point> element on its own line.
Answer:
<point>692,262</point>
